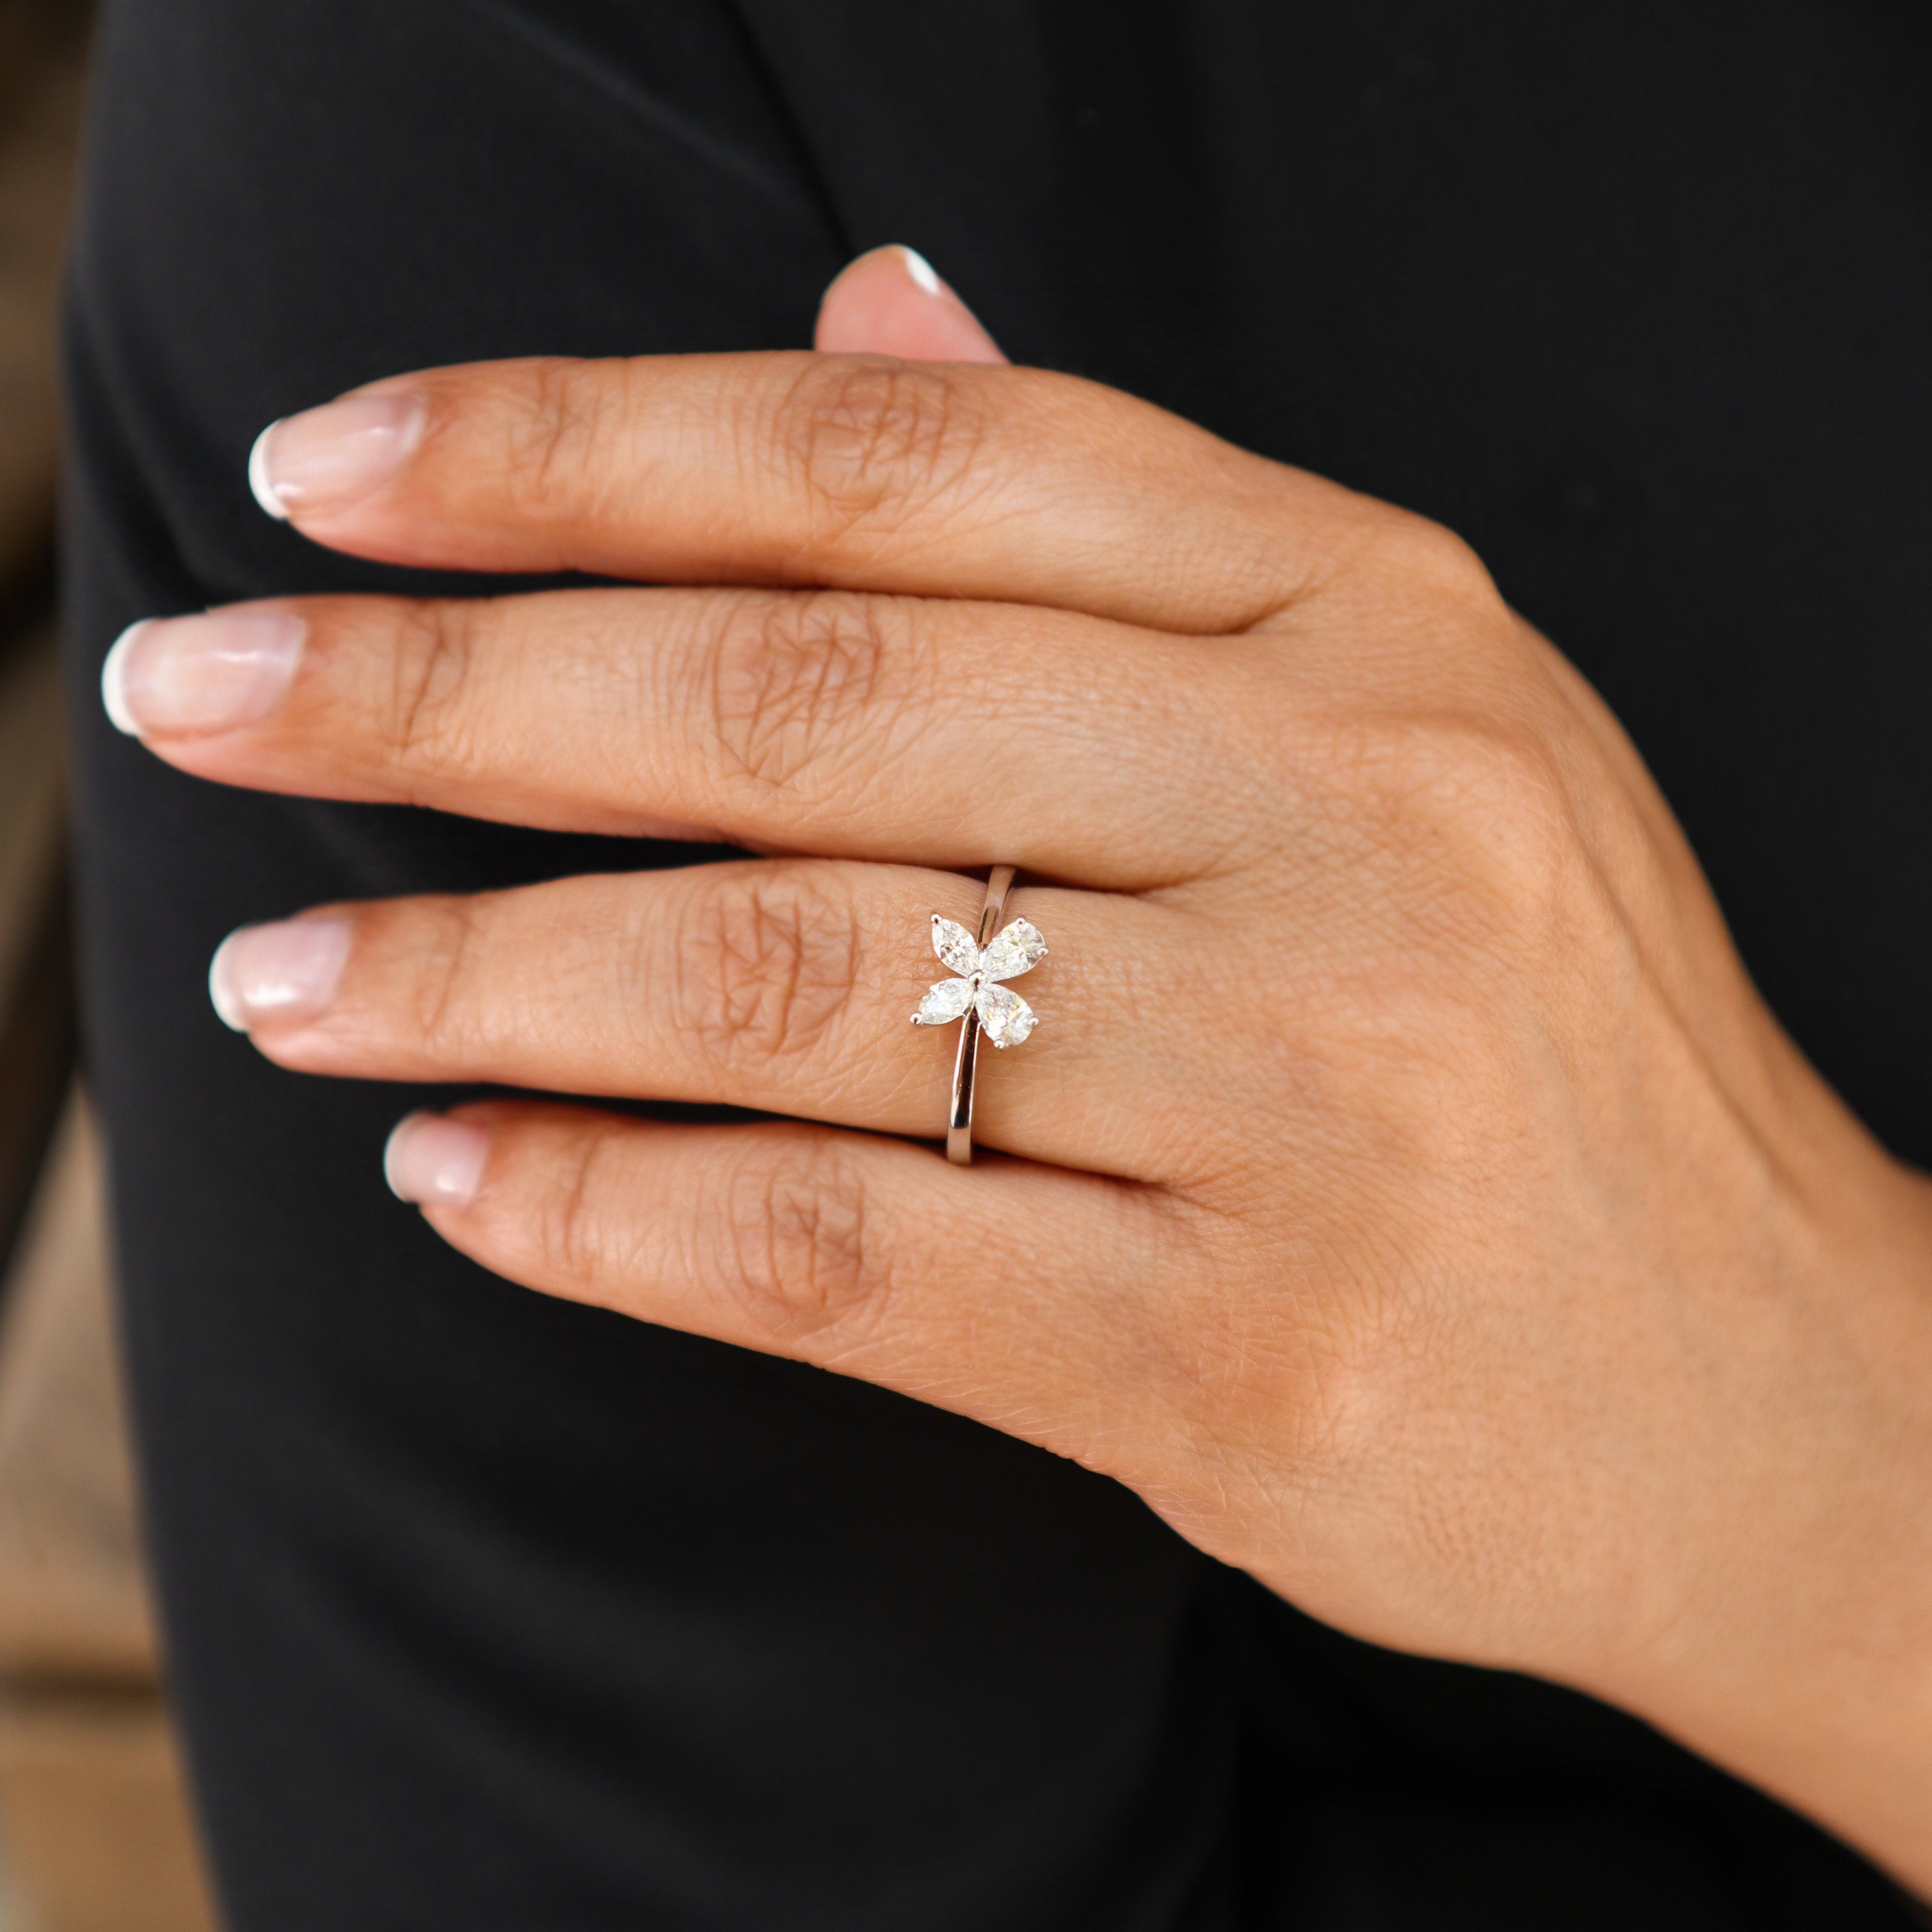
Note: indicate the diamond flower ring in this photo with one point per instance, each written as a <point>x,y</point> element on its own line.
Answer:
<point>978,998</point>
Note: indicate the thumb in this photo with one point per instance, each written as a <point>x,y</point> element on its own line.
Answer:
<point>889,302</point>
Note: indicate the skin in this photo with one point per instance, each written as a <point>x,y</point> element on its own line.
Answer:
<point>1406,1192</point>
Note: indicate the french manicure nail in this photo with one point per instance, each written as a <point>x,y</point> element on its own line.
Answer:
<point>288,970</point>
<point>924,276</point>
<point>205,673</point>
<point>325,459</point>
<point>433,1162</point>
<point>948,331</point>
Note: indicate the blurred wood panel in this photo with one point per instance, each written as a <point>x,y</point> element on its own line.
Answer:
<point>32,32</point>
<point>96,1824</point>
<point>38,143</point>
<point>37,1004</point>
<point>74,1596</point>
<point>94,1821</point>
<point>41,86</point>
<point>32,766</point>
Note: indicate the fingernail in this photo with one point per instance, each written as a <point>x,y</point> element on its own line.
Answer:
<point>325,459</point>
<point>206,674</point>
<point>435,1162</point>
<point>945,330</point>
<point>924,275</point>
<point>286,971</point>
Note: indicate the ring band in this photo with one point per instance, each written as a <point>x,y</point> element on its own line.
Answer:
<point>965,1063</point>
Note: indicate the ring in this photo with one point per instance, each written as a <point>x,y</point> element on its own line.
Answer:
<point>979,997</point>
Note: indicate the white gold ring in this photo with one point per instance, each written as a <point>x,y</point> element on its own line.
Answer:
<point>979,997</point>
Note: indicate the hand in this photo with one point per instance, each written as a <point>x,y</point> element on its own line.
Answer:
<point>1406,1192</point>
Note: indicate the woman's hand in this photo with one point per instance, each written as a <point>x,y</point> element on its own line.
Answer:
<point>1405,1192</point>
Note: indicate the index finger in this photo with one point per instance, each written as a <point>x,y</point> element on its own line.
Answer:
<point>854,472</point>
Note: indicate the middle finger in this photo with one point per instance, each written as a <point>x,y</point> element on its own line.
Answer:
<point>925,731</point>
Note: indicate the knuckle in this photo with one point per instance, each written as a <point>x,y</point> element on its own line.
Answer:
<point>875,443</point>
<point>445,971</point>
<point>1503,796</point>
<point>1438,566</point>
<point>799,682</point>
<point>1294,1323</point>
<point>1475,811</point>
<point>434,649</point>
<point>559,438</point>
<point>797,1240</point>
<point>1499,785</point>
<point>577,1239</point>
<point>766,962</point>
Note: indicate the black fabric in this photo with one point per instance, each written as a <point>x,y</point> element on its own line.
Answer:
<point>488,1612</point>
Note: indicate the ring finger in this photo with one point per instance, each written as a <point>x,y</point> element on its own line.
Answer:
<point>782,985</point>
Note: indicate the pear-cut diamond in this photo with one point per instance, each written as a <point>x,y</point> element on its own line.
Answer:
<point>1006,1019</point>
<point>1018,949</point>
<point>944,1002</point>
<point>954,945</point>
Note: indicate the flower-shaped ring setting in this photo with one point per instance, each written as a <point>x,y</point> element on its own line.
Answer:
<point>979,996</point>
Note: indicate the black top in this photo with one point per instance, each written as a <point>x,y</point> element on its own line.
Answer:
<point>488,1611</point>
